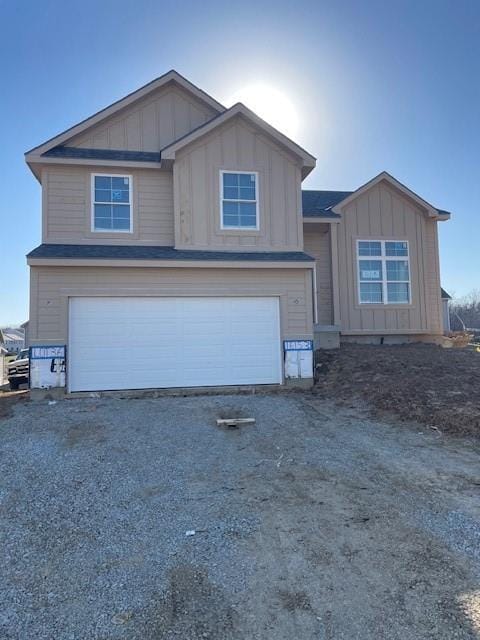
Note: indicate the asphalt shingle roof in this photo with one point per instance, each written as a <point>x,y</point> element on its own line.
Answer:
<point>318,204</point>
<point>103,154</point>
<point>135,252</point>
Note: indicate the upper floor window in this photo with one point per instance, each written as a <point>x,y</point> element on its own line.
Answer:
<point>383,272</point>
<point>111,198</point>
<point>239,200</point>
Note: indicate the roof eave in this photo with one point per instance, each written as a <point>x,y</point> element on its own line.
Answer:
<point>442,217</point>
<point>316,219</point>
<point>37,161</point>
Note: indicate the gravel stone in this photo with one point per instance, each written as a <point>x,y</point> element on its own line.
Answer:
<point>316,522</point>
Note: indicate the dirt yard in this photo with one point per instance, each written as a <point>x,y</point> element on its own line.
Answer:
<point>437,387</point>
<point>142,520</point>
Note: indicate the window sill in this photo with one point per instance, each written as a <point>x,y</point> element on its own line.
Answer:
<point>380,305</point>
<point>111,231</point>
<point>234,231</point>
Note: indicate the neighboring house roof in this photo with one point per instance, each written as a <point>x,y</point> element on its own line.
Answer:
<point>12,337</point>
<point>445,295</point>
<point>136,252</point>
<point>239,109</point>
<point>170,76</point>
<point>318,204</point>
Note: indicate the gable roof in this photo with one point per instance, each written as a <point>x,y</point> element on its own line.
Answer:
<point>431,211</point>
<point>170,76</point>
<point>239,109</point>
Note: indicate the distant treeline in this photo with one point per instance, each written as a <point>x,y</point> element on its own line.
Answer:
<point>465,312</point>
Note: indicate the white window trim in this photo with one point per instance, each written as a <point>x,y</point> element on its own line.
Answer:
<point>257,199</point>
<point>383,258</point>
<point>93,203</point>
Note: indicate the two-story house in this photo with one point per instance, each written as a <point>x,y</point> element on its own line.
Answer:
<point>178,227</point>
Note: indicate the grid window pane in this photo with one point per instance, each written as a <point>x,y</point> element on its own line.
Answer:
<point>239,209</point>
<point>247,208</point>
<point>398,292</point>
<point>396,248</point>
<point>121,211</point>
<point>230,220</point>
<point>230,208</point>
<point>103,211</point>
<point>247,193</point>
<point>102,195</point>
<point>120,224</point>
<point>366,248</point>
<point>397,270</point>
<point>370,269</point>
<point>247,179</point>
<point>231,193</point>
<point>385,277</point>
<point>103,182</point>
<point>230,179</point>
<point>119,195</point>
<point>371,292</point>
<point>120,183</point>
<point>248,222</point>
<point>103,223</point>
<point>111,206</point>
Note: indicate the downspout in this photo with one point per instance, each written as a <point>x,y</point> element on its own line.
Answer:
<point>314,291</point>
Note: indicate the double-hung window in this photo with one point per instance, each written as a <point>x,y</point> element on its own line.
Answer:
<point>239,200</point>
<point>383,272</point>
<point>112,203</point>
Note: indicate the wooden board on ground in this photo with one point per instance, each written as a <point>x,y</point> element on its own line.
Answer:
<point>234,422</point>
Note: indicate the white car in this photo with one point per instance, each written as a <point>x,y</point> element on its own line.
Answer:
<point>18,370</point>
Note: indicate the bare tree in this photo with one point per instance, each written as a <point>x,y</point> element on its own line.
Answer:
<point>465,312</point>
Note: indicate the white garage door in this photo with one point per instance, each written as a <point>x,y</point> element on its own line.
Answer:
<point>141,343</point>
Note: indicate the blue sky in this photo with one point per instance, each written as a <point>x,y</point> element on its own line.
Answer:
<point>376,85</point>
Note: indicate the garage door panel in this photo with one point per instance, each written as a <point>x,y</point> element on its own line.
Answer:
<point>134,343</point>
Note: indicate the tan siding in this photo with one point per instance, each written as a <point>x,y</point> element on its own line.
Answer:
<point>382,212</point>
<point>51,286</point>
<point>317,245</point>
<point>148,125</point>
<point>67,207</point>
<point>237,146</point>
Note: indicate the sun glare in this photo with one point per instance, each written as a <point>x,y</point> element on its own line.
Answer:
<point>270,104</point>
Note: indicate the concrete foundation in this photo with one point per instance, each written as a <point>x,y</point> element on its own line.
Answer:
<point>54,393</point>
<point>326,337</point>
<point>292,384</point>
<point>392,339</point>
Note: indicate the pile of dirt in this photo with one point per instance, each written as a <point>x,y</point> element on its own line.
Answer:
<point>423,383</point>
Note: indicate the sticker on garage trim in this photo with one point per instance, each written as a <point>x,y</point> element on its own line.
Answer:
<point>47,366</point>
<point>298,345</point>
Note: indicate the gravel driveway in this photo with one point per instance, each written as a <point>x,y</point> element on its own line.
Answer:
<point>313,523</point>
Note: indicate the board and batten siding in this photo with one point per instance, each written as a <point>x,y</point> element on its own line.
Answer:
<point>50,288</point>
<point>237,146</point>
<point>383,213</point>
<point>66,194</point>
<point>149,124</point>
<point>317,244</point>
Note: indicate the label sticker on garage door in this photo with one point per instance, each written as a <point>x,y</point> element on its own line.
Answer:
<point>47,366</point>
